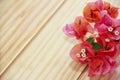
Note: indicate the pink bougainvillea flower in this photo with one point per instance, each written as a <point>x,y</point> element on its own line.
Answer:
<point>68,30</point>
<point>109,47</point>
<point>82,52</point>
<point>81,27</point>
<point>101,65</point>
<point>95,66</point>
<point>112,11</point>
<point>92,11</point>
<point>99,48</point>
<point>109,26</point>
<point>78,29</point>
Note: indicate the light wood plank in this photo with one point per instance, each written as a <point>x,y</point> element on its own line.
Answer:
<point>47,56</point>
<point>21,26</point>
<point>3,8</point>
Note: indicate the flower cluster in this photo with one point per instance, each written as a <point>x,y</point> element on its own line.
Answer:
<point>98,34</point>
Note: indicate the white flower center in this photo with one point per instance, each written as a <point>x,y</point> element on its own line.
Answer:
<point>117,32</point>
<point>107,40</point>
<point>83,54</point>
<point>110,29</point>
<point>83,50</point>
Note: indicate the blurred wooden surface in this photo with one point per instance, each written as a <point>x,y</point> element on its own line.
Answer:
<point>32,44</point>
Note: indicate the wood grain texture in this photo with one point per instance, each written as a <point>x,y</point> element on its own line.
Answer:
<point>32,44</point>
<point>20,24</point>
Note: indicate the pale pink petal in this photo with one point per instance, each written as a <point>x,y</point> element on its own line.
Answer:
<point>90,29</point>
<point>68,30</point>
<point>116,22</point>
<point>106,67</point>
<point>107,20</point>
<point>81,27</point>
<point>118,48</point>
<point>74,52</point>
<point>99,3</point>
<point>101,28</point>
<point>113,64</point>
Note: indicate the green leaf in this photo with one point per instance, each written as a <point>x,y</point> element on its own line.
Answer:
<point>96,46</point>
<point>91,40</point>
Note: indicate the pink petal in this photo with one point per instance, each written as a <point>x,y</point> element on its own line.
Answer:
<point>68,30</point>
<point>112,64</point>
<point>74,51</point>
<point>118,48</point>
<point>107,20</point>
<point>81,27</point>
<point>92,12</point>
<point>112,11</point>
<point>90,29</point>
<point>99,3</point>
<point>103,12</point>
<point>95,66</point>
<point>102,65</point>
<point>106,67</point>
<point>116,22</point>
<point>101,28</point>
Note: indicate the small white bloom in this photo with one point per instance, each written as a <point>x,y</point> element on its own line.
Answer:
<point>83,54</point>
<point>83,50</point>
<point>110,29</point>
<point>117,32</point>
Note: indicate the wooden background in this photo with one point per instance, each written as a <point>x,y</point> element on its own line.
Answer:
<point>32,44</point>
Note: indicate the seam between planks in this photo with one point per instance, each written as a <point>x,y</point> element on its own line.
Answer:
<point>82,73</point>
